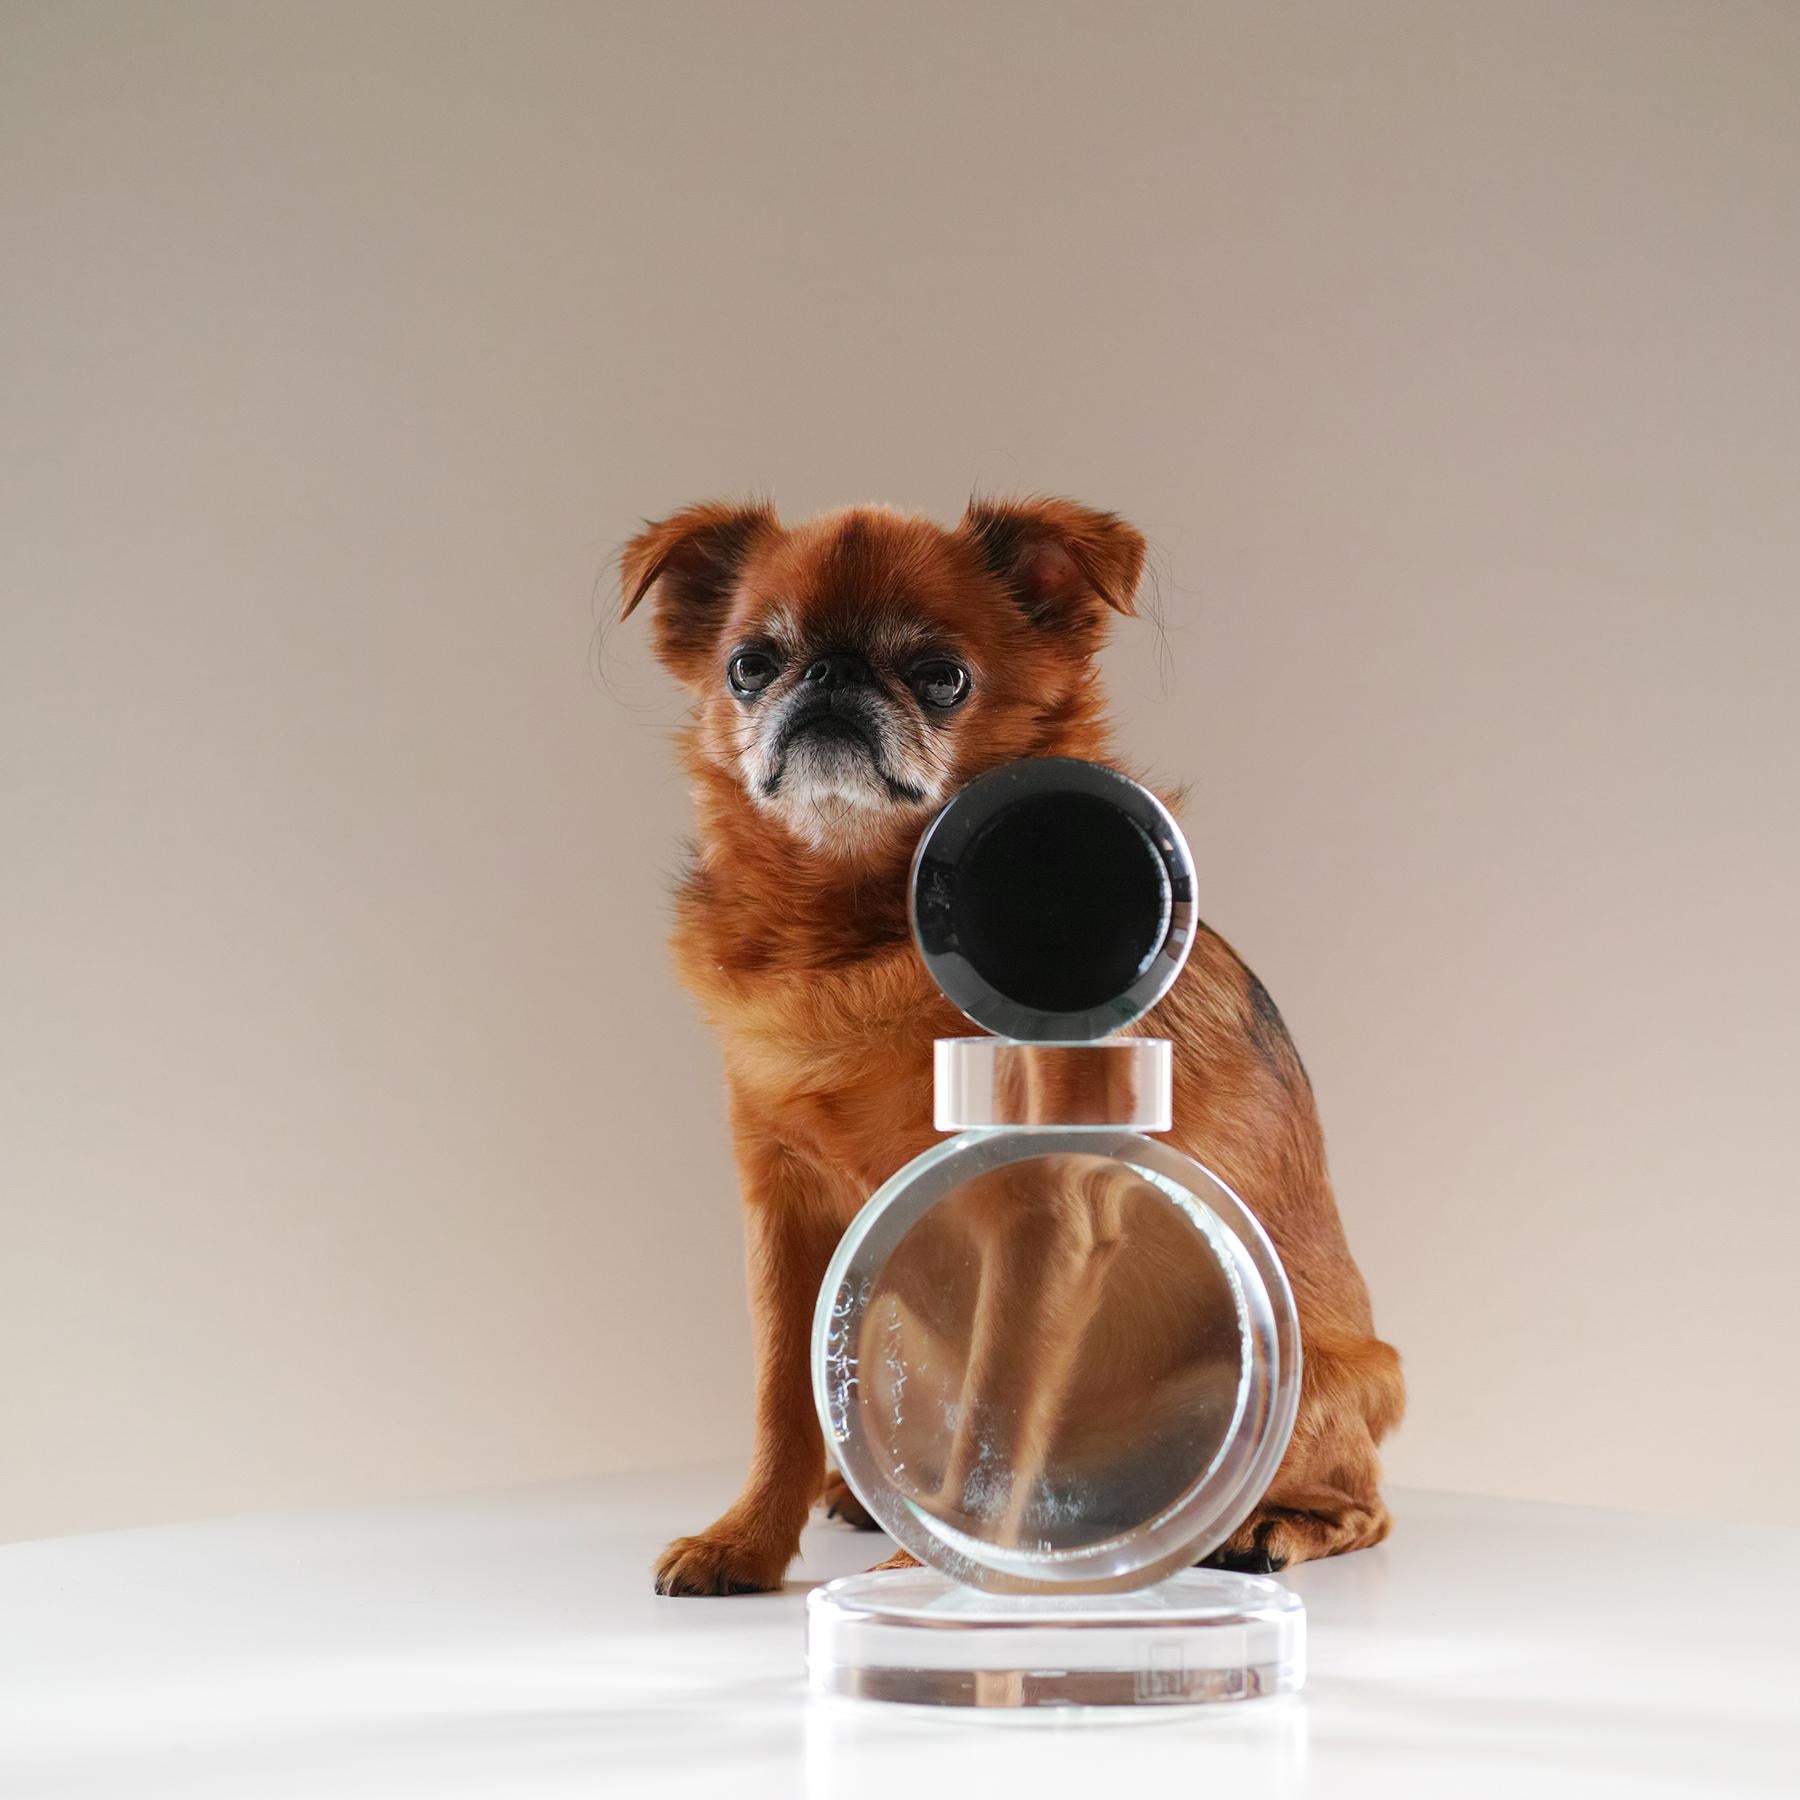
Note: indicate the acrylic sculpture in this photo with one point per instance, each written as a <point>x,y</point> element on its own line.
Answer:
<point>1056,1359</point>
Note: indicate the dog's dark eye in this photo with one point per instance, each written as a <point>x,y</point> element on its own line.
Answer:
<point>751,671</point>
<point>941,683</point>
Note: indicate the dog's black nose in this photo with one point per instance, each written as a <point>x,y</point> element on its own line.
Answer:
<point>835,671</point>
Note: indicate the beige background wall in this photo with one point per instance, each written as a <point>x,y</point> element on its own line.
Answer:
<point>353,1137</point>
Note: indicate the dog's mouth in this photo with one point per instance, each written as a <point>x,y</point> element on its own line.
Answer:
<point>836,736</point>
<point>826,726</point>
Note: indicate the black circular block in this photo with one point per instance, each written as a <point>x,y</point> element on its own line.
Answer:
<point>1053,900</point>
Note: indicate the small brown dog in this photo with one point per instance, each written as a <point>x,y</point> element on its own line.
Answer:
<point>848,675</point>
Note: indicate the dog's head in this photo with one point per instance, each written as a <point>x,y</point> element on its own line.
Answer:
<point>852,672</point>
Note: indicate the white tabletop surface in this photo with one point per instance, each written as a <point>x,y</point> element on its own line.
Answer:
<point>509,1645</point>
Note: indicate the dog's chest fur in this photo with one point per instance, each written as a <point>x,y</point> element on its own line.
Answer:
<point>829,1046</point>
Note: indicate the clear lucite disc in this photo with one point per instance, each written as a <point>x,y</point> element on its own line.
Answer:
<point>913,1636</point>
<point>982,1083</point>
<point>1056,1362</point>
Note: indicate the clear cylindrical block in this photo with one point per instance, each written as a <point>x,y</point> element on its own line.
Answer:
<point>983,1083</point>
<point>917,1638</point>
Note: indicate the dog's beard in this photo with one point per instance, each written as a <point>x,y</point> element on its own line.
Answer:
<point>835,771</point>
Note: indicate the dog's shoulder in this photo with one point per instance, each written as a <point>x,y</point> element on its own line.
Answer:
<point>794,992</point>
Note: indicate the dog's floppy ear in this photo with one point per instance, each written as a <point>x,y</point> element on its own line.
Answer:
<point>690,562</point>
<point>1064,563</point>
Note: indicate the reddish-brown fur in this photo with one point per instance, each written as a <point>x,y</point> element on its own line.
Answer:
<point>792,932</point>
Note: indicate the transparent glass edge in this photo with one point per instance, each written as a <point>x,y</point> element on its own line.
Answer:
<point>912,1187</point>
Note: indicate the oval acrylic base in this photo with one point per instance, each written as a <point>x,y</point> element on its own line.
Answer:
<point>913,1637</point>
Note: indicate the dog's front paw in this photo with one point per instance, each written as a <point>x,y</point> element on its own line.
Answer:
<point>719,1561</point>
<point>841,1503</point>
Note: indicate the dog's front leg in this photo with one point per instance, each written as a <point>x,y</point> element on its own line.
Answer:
<point>791,1228</point>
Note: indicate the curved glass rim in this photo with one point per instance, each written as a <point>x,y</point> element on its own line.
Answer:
<point>949,837</point>
<point>1213,1505</point>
